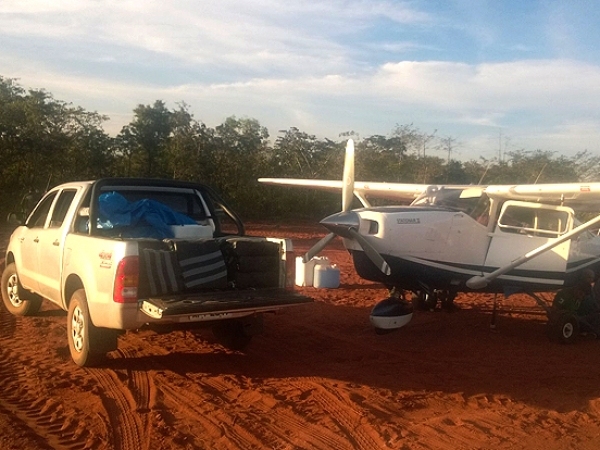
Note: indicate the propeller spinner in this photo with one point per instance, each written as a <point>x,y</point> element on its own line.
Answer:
<point>346,222</point>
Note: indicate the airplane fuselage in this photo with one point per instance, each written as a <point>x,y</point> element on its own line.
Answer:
<point>442,248</point>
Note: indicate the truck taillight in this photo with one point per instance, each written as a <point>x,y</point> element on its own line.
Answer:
<point>126,280</point>
<point>290,270</point>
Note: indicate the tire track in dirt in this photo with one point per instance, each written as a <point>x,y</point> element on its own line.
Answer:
<point>226,412</point>
<point>143,390</point>
<point>162,394</point>
<point>194,401</point>
<point>27,436</point>
<point>289,420</point>
<point>344,413</point>
<point>40,412</point>
<point>8,323</point>
<point>215,424</point>
<point>31,402</point>
<point>128,427</point>
<point>252,411</point>
<point>140,383</point>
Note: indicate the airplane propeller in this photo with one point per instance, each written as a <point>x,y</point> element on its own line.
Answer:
<point>346,222</point>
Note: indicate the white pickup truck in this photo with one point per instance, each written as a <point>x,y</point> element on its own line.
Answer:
<point>120,253</point>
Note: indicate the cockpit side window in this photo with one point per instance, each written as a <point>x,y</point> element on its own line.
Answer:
<point>534,221</point>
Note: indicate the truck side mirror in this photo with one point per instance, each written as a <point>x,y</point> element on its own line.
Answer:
<point>13,219</point>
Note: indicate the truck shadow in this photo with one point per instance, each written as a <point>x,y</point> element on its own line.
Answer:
<point>449,352</point>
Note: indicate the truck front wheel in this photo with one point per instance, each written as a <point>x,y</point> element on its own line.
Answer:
<point>88,344</point>
<point>17,300</point>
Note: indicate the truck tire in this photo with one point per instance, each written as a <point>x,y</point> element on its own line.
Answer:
<point>16,298</point>
<point>88,344</point>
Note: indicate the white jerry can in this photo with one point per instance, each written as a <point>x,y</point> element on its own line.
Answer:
<point>326,276</point>
<point>305,271</point>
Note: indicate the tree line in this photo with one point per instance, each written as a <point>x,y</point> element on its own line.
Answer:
<point>45,142</point>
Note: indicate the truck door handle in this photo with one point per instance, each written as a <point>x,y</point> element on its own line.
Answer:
<point>36,240</point>
<point>56,243</point>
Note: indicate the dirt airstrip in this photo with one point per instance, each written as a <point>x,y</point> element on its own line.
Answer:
<point>319,377</point>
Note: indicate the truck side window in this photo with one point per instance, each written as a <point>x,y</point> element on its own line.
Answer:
<point>40,214</point>
<point>62,206</point>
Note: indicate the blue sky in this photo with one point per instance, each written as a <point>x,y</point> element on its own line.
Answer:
<point>496,76</point>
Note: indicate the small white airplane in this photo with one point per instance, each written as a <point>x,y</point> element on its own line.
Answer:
<point>442,240</point>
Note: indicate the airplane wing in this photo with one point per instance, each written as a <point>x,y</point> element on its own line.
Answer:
<point>580,196</point>
<point>362,189</point>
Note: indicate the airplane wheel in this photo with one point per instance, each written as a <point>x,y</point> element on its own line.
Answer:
<point>564,329</point>
<point>424,301</point>
<point>447,300</point>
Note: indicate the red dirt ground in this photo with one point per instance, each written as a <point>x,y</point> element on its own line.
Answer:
<point>319,377</point>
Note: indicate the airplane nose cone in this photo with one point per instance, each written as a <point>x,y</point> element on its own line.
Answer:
<point>340,223</point>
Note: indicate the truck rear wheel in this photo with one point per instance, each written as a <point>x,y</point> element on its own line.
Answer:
<point>236,334</point>
<point>16,298</point>
<point>88,344</point>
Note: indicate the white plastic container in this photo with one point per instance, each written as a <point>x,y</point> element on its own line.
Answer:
<point>191,231</point>
<point>326,276</point>
<point>305,271</point>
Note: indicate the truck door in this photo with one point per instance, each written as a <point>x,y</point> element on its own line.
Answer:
<point>524,226</point>
<point>50,246</point>
<point>27,266</point>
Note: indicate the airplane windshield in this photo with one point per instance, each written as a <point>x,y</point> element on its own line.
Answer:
<point>471,201</point>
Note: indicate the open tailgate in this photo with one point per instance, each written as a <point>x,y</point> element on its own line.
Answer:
<point>221,304</point>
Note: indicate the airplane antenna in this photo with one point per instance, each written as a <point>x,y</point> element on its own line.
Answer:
<point>540,174</point>
<point>484,173</point>
<point>48,184</point>
<point>500,145</point>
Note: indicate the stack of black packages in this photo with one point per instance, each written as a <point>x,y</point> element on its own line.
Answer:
<point>251,263</point>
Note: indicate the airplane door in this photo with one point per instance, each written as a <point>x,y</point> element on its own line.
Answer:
<point>524,226</point>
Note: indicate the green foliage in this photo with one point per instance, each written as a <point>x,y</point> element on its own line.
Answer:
<point>144,141</point>
<point>44,141</point>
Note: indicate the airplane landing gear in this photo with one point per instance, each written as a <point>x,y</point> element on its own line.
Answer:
<point>428,300</point>
<point>424,301</point>
<point>563,328</point>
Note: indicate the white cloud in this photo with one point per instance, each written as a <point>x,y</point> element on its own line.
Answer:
<point>501,87</point>
<point>298,63</point>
